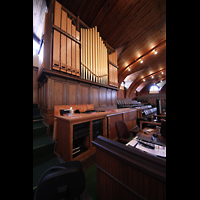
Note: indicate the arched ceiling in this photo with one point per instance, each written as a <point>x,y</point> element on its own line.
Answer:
<point>134,28</point>
<point>139,83</point>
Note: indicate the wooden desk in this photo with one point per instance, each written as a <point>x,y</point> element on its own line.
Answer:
<point>65,125</point>
<point>150,134</point>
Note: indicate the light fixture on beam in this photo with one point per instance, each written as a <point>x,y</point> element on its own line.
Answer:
<point>153,49</point>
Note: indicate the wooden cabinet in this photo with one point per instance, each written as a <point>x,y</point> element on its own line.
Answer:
<point>128,115</point>
<point>73,146</point>
<point>112,133</point>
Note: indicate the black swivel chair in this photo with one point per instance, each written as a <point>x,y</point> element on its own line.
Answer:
<point>61,182</point>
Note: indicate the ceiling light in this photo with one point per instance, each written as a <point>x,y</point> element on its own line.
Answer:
<point>141,61</point>
<point>152,77</point>
<point>143,79</point>
<point>129,69</point>
<point>155,52</point>
<point>162,72</point>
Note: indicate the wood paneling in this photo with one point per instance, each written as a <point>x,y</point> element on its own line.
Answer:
<point>66,39</point>
<point>114,97</point>
<point>59,90</point>
<point>130,119</point>
<point>103,97</point>
<point>131,174</point>
<point>63,53</point>
<point>95,96</point>
<point>56,50</point>
<point>57,15</point>
<point>58,93</point>
<point>111,125</point>
<point>35,85</point>
<point>109,97</point>
<point>72,93</point>
<point>84,94</point>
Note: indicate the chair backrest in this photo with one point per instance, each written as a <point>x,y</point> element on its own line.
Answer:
<point>63,181</point>
<point>163,128</point>
<point>122,130</point>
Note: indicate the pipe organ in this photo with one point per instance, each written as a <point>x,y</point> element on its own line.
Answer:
<point>113,69</point>
<point>66,50</point>
<point>94,57</point>
<point>81,53</point>
<point>78,67</point>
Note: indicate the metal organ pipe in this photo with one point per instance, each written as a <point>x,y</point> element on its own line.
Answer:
<point>94,61</point>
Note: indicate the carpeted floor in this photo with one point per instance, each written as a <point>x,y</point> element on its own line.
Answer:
<point>91,182</point>
<point>44,157</point>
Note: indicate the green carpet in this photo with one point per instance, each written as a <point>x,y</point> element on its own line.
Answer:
<point>41,165</point>
<point>91,182</point>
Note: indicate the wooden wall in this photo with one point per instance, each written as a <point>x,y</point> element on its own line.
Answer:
<point>35,85</point>
<point>128,173</point>
<point>56,90</point>
<point>120,94</point>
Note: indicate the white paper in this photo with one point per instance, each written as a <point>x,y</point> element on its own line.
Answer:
<point>132,143</point>
<point>158,150</point>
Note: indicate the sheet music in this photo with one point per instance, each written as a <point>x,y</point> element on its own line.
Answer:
<point>158,150</point>
<point>132,142</point>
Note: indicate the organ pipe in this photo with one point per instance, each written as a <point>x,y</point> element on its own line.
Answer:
<point>94,61</point>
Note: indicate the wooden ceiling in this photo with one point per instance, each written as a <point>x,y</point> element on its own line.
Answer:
<point>132,27</point>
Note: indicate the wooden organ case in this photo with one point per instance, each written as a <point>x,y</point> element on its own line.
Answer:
<point>66,50</point>
<point>113,69</point>
<point>76,67</point>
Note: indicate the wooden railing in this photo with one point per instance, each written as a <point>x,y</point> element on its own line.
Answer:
<point>128,173</point>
